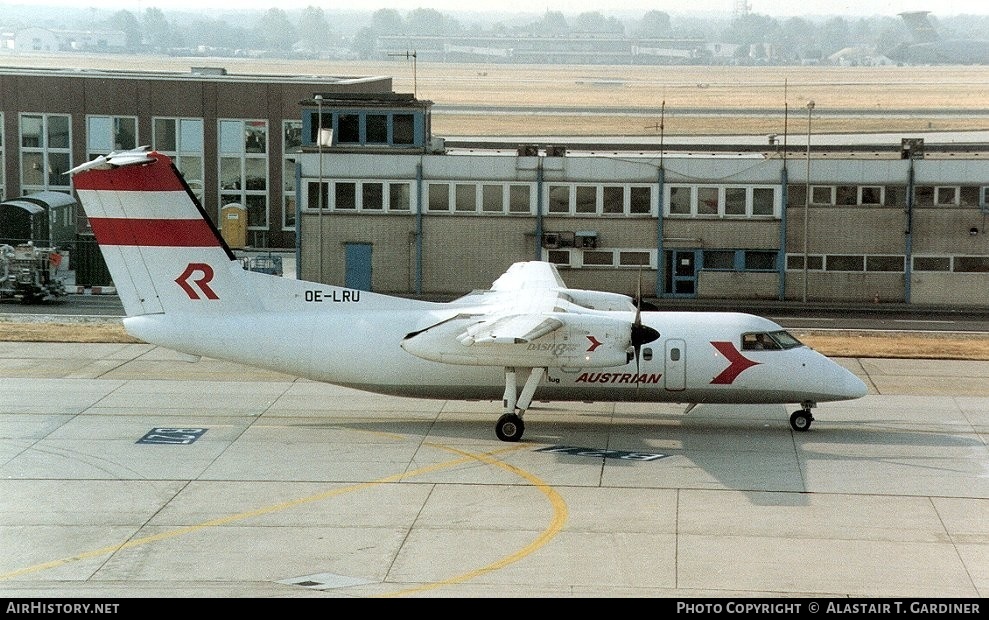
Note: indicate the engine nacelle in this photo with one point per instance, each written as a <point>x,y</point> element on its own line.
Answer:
<point>583,341</point>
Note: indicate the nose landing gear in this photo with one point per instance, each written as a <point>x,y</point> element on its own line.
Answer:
<point>801,418</point>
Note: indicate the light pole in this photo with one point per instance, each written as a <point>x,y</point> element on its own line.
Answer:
<point>810,111</point>
<point>319,188</point>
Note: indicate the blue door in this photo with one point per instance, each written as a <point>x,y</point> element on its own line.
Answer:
<point>358,266</point>
<point>681,273</point>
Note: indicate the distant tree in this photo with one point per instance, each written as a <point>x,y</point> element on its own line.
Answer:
<point>314,30</point>
<point>751,29</point>
<point>797,35</point>
<point>126,22</point>
<point>220,34</point>
<point>653,25</point>
<point>276,31</point>
<point>158,33</point>
<point>387,21</point>
<point>595,21</point>
<point>364,43</point>
<point>431,22</point>
<point>553,23</point>
<point>834,35</point>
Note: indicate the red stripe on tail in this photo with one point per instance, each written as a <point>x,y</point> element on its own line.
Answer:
<point>159,233</point>
<point>154,177</point>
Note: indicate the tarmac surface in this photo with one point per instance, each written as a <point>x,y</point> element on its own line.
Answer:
<point>133,471</point>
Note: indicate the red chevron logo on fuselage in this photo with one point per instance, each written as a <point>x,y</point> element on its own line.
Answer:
<point>738,363</point>
<point>595,343</point>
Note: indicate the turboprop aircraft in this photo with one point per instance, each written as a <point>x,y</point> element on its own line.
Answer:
<point>182,288</point>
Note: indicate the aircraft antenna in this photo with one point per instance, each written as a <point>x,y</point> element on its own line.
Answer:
<point>415,76</point>
<point>786,116</point>
<point>662,131</point>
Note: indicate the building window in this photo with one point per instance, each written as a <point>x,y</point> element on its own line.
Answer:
<point>738,260</point>
<point>846,195</point>
<point>756,260</point>
<point>344,196</point>
<point>403,129</point>
<point>680,201</point>
<point>969,196</point>
<point>640,200</point>
<point>845,262</point>
<point>923,195</point>
<point>465,195</point>
<point>946,196</point>
<point>105,134</point>
<point>399,197</point>
<point>519,199</point>
<point>586,199</point>
<point>619,200</point>
<point>931,263</point>
<point>884,263</point>
<point>641,258</point>
<point>558,257</point>
<point>492,198</point>
<point>182,140</point>
<point>763,201</point>
<point>46,152</point>
<point>291,148</point>
<point>371,196</point>
<point>719,260</point>
<point>598,258</point>
<point>613,200</point>
<point>735,201</point>
<point>822,195</point>
<point>708,201</point>
<point>870,195</point>
<point>376,129</point>
<point>971,264</point>
<point>438,197</point>
<point>730,201</point>
<point>348,129</point>
<point>3,176</point>
<point>559,199</point>
<point>795,262</point>
<point>243,169</point>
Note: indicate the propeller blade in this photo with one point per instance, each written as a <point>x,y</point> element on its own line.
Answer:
<point>640,334</point>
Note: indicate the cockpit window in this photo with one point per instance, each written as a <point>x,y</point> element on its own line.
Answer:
<point>786,340</point>
<point>769,341</point>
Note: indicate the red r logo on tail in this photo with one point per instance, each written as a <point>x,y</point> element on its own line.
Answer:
<point>202,282</point>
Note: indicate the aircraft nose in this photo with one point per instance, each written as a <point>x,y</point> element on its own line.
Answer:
<point>848,385</point>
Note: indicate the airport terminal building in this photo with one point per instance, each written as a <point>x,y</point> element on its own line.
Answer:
<point>433,217</point>
<point>347,173</point>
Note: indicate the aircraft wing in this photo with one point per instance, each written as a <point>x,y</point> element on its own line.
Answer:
<point>529,318</point>
<point>510,329</point>
<point>529,276</point>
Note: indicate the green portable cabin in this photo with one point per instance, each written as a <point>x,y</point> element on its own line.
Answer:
<point>46,219</point>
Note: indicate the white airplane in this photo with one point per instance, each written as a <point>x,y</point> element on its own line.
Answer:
<point>183,289</point>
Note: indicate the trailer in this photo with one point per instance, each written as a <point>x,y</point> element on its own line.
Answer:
<point>30,274</point>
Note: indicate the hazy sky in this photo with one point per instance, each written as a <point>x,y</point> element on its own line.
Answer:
<point>773,8</point>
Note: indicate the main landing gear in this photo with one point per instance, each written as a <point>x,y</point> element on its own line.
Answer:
<point>801,418</point>
<point>510,425</point>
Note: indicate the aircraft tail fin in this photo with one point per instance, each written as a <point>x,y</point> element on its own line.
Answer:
<point>163,252</point>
